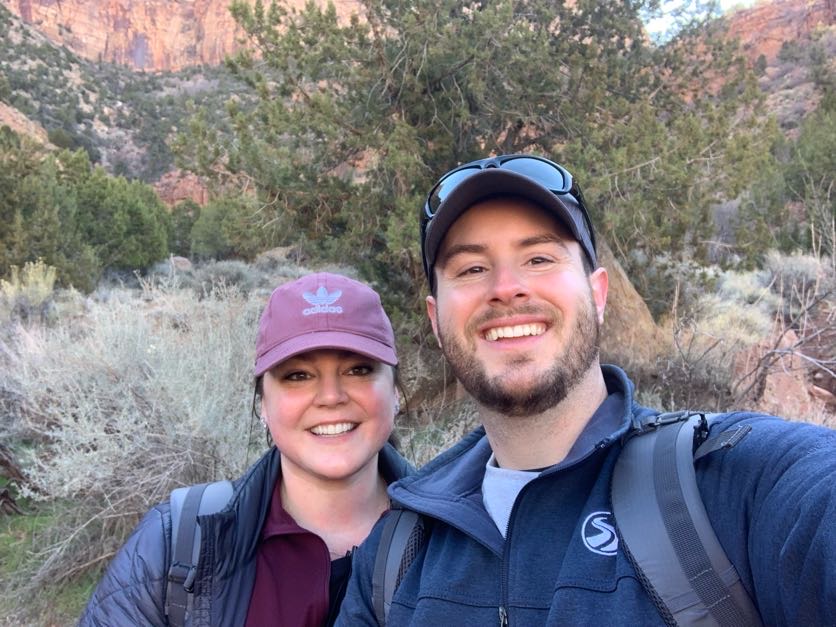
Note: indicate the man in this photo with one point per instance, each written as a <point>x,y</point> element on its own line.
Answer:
<point>520,529</point>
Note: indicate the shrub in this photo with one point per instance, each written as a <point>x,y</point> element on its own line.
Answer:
<point>28,292</point>
<point>230,273</point>
<point>142,396</point>
<point>800,280</point>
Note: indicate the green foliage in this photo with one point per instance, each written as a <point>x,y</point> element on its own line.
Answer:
<point>5,89</point>
<point>28,291</point>
<point>228,226</point>
<point>357,117</point>
<point>791,203</point>
<point>812,177</point>
<point>76,218</point>
<point>183,217</point>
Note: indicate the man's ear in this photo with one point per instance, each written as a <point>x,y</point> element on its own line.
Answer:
<point>432,310</point>
<point>599,281</point>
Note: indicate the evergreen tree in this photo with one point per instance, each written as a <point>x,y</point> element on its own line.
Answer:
<point>357,116</point>
<point>55,206</point>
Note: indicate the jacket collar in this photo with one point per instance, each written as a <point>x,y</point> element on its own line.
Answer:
<point>455,476</point>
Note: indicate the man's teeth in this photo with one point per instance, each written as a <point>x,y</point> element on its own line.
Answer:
<point>519,330</point>
<point>333,429</point>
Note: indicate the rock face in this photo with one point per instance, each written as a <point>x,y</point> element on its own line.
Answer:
<point>629,337</point>
<point>764,28</point>
<point>143,34</point>
<point>159,35</point>
<point>148,35</point>
<point>178,185</point>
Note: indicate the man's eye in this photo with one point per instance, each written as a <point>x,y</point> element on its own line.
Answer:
<point>535,261</point>
<point>472,270</point>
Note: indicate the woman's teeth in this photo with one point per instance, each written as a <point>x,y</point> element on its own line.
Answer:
<point>333,429</point>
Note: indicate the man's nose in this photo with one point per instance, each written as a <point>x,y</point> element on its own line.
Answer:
<point>509,284</point>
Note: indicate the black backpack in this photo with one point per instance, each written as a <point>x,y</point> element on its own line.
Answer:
<point>654,495</point>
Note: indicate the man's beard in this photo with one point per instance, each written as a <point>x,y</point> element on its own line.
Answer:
<point>551,386</point>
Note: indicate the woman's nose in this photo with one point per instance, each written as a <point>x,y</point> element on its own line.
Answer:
<point>330,391</point>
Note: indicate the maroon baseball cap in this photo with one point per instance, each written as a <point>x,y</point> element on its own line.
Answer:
<point>323,310</point>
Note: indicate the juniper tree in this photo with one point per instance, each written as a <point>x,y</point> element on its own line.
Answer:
<point>357,114</point>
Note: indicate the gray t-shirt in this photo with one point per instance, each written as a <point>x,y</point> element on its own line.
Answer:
<point>500,486</point>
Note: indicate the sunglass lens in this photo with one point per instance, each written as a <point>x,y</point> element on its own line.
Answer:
<point>447,185</point>
<point>551,176</point>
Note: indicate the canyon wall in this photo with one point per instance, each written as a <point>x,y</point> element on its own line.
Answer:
<point>763,28</point>
<point>150,35</point>
<point>168,35</point>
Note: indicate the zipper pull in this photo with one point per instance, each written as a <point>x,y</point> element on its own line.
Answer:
<point>503,617</point>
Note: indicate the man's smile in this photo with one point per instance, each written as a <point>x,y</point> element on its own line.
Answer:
<point>518,330</point>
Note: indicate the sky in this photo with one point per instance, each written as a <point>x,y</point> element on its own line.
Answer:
<point>658,26</point>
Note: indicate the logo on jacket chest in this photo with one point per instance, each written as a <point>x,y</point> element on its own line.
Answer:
<point>599,535</point>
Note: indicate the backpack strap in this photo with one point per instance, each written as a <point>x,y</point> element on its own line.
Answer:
<point>665,529</point>
<point>186,505</point>
<point>400,541</point>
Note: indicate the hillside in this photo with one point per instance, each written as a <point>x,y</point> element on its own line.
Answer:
<point>776,37</point>
<point>147,35</point>
<point>123,119</point>
<point>70,68</point>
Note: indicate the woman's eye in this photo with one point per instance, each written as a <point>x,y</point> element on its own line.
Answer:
<point>361,370</point>
<point>296,375</point>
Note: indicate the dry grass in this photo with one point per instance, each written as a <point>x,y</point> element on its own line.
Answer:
<point>110,411</point>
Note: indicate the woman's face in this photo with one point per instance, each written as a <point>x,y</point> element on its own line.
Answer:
<point>329,412</point>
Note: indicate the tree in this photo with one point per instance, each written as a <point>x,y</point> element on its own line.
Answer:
<point>75,217</point>
<point>357,116</point>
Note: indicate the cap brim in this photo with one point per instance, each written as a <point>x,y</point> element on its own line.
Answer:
<point>338,340</point>
<point>493,182</point>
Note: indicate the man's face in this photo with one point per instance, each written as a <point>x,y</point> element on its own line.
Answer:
<point>514,312</point>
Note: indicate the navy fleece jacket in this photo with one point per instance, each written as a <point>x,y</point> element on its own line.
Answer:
<point>771,500</point>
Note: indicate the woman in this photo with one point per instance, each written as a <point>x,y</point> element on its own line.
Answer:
<point>279,553</point>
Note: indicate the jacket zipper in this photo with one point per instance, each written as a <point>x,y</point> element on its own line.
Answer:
<point>503,577</point>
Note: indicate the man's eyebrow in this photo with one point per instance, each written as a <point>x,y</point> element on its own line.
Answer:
<point>544,238</point>
<point>459,249</point>
<point>534,240</point>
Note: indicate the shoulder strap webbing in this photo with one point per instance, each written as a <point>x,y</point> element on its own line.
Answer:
<point>667,533</point>
<point>400,540</point>
<point>186,505</point>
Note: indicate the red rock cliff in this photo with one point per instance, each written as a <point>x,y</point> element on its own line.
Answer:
<point>762,29</point>
<point>156,35</point>
<point>143,34</point>
<point>151,35</point>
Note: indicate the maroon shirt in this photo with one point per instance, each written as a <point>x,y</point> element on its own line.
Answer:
<point>293,568</point>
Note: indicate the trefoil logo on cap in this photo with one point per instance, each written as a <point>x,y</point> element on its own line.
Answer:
<point>322,301</point>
